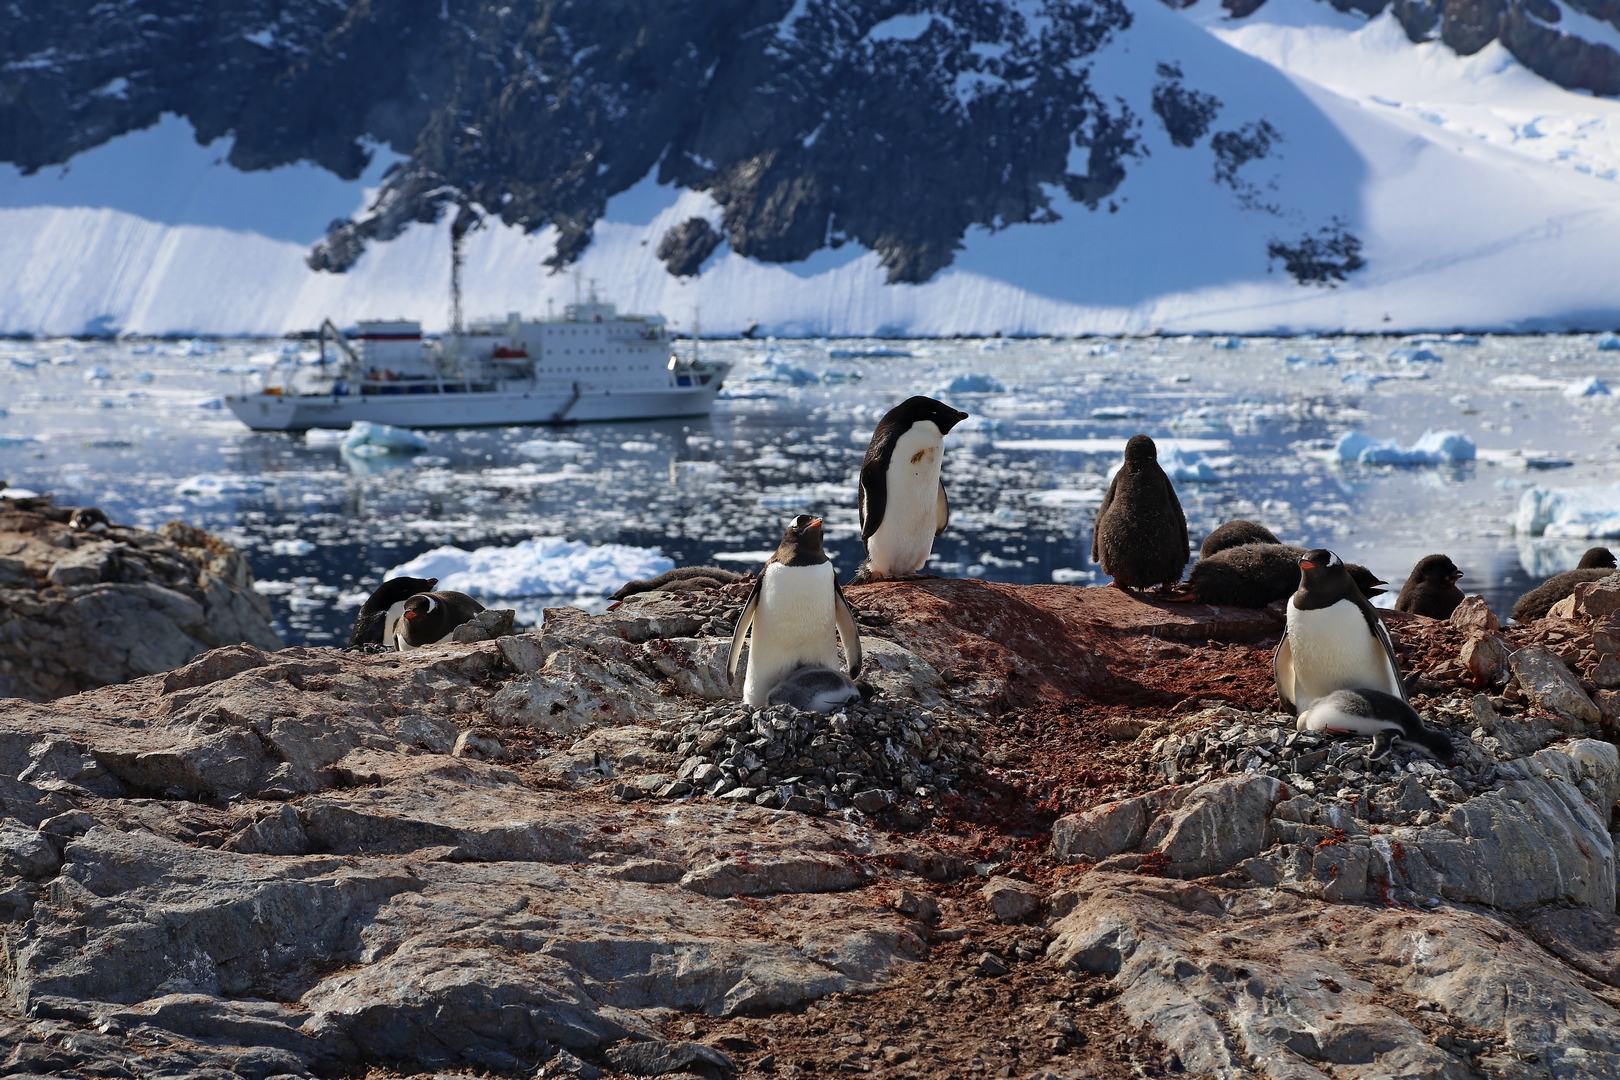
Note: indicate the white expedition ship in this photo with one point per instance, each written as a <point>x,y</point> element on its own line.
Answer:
<point>592,364</point>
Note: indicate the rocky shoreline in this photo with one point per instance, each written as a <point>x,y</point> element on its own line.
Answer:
<point>1069,837</point>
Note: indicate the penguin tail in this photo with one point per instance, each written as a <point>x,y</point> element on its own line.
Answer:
<point>863,574</point>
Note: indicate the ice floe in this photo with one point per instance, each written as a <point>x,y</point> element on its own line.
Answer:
<point>207,486</point>
<point>545,566</point>
<point>1409,355</point>
<point>973,383</point>
<point>292,547</point>
<point>1433,448</point>
<point>1591,386</point>
<point>316,436</point>
<point>1573,513</point>
<point>540,448</point>
<point>1609,342</point>
<point>366,439</point>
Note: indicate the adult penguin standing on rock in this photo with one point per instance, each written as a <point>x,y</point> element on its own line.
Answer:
<point>797,615</point>
<point>1432,588</point>
<point>1140,539</point>
<point>1595,565</point>
<point>1334,639</point>
<point>903,503</point>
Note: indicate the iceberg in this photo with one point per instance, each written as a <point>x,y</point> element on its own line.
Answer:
<point>1569,513</point>
<point>1296,362</point>
<point>973,384</point>
<point>319,436</point>
<point>292,547</point>
<point>539,448</point>
<point>1184,466</point>
<point>1227,343</point>
<point>545,566</point>
<point>1410,355</point>
<point>778,371</point>
<point>1609,341</point>
<point>1434,448</point>
<point>1591,386</point>
<point>366,439</point>
<point>1117,412</point>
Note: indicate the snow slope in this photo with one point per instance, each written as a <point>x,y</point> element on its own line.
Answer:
<point>1484,197</point>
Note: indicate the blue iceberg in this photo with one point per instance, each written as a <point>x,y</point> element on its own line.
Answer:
<point>1434,448</point>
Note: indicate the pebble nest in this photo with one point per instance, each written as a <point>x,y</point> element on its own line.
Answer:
<point>870,757</point>
<point>1404,787</point>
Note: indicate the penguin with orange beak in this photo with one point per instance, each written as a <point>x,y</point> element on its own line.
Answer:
<point>796,615</point>
<point>1334,639</point>
<point>429,618</point>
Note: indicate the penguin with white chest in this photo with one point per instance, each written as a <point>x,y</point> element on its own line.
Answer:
<point>428,618</point>
<point>796,613</point>
<point>903,503</point>
<point>1334,639</point>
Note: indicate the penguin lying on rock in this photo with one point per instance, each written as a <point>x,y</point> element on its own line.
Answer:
<point>1334,638</point>
<point>375,613</point>
<point>1375,713</point>
<point>1431,589</point>
<point>1236,533</point>
<point>681,579</point>
<point>1596,564</point>
<point>1140,539</point>
<point>818,689</point>
<point>903,504</point>
<point>796,613</point>
<point>89,519</point>
<point>1255,575</point>
<point>429,618</point>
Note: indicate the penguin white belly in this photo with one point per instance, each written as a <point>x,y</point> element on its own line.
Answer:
<point>1325,716</point>
<point>1334,649</point>
<point>905,536</point>
<point>794,624</point>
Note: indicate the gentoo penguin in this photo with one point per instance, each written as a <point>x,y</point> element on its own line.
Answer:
<point>813,688</point>
<point>1235,534</point>
<point>797,614</point>
<point>89,519</point>
<point>429,618</point>
<point>374,613</point>
<point>1334,639</point>
<point>1141,534</point>
<point>1596,564</point>
<point>903,504</point>
<point>1373,712</point>
<point>681,579</point>
<point>1255,575</point>
<point>1432,588</point>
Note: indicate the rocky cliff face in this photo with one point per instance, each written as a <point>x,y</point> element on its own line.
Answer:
<point>1067,838</point>
<point>86,608</point>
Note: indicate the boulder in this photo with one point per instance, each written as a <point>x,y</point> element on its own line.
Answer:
<point>1475,614</point>
<point>1485,656</point>
<point>1011,900</point>
<point>1547,682</point>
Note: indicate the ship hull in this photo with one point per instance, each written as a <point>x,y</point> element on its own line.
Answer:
<point>274,412</point>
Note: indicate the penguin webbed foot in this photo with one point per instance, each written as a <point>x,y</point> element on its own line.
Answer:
<point>1382,744</point>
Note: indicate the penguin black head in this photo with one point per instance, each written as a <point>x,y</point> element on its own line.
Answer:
<point>801,543</point>
<point>1598,558</point>
<point>914,410</point>
<point>1139,449</point>
<point>1436,568</point>
<point>91,519</point>
<point>1323,580</point>
<point>425,617</point>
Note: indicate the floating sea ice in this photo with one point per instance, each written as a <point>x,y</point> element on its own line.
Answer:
<point>778,371</point>
<point>1117,412</point>
<point>546,566</point>
<point>1574,513</point>
<point>211,403</point>
<point>1413,356</point>
<point>974,428</point>
<point>1296,362</point>
<point>18,493</point>
<point>636,446</point>
<point>1068,575</point>
<point>1184,466</point>
<point>1067,497</point>
<point>540,448</point>
<point>1434,448</point>
<point>64,360</point>
<point>1609,341</point>
<point>430,461</point>
<point>218,486</point>
<point>292,547</point>
<point>22,363</point>
<point>325,436</point>
<point>366,439</point>
<point>1591,386</point>
<point>1527,382</point>
<point>1227,343</point>
<point>974,383</point>
<point>862,354</point>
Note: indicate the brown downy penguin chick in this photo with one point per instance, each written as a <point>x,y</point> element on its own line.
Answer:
<point>431,617</point>
<point>1432,588</point>
<point>1256,575</point>
<point>374,613</point>
<point>89,519</point>
<point>1140,538</point>
<point>681,579</point>
<point>1235,534</point>
<point>1596,564</point>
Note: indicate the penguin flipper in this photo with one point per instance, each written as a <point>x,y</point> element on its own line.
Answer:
<point>744,622</point>
<point>1282,671</point>
<point>847,631</point>
<point>1096,528</point>
<point>1379,631</point>
<point>942,511</point>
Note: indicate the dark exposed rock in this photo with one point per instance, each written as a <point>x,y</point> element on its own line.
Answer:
<point>1326,258</point>
<point>1185,113</point>
<point>684,248</point>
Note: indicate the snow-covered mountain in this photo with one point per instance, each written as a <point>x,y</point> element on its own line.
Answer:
<point>824,167</point>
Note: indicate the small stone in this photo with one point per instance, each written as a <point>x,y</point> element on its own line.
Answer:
<point>470,744</point>
<point>1485,655</point>
<point>741,794</point>
<point>566,1064</point>
<point>1475,614</point>
<point>992,966</point>
<point>1011,900</point>
<point>1606,672</point>
<point>675,789</point>
<point>919,906</point>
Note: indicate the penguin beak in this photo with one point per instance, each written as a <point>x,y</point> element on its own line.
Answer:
<point>1306,564</point>
<point>815,523</point>
<point>412,614</point>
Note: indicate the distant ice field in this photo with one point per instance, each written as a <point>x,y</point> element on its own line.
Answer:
<point>1247,426</point>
